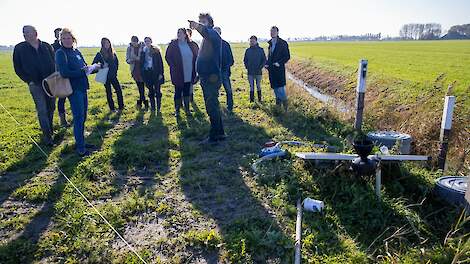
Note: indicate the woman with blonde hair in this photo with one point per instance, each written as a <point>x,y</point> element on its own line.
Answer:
<point>151,64</point>
<point>71,64</point>
<point>107,58</point>
<point>133,59</point>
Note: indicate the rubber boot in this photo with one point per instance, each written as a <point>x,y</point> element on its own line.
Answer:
<point>186,101</point>
<point>146,105</point>
<point>191,98</point>
<point>63,121</point>
<point>177,107</point>
<point>259,96</point>
<point>252,96</point>
<point>139,104</point>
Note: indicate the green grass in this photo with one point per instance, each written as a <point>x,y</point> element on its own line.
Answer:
<point>415,61</point>
<point>179,202</point>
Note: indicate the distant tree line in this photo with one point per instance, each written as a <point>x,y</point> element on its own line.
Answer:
<point>365,37</point>
<point>458,32</point>
<point>414,31</point>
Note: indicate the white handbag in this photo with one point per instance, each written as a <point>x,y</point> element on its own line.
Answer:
<point>102,74</point>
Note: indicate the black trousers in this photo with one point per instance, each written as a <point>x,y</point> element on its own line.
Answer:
<point>109,94</point>
<point>182,91</point>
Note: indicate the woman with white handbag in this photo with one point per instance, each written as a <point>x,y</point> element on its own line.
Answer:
<point>108,73</point>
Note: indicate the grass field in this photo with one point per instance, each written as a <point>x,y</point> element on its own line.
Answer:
<point>406,84</point>
<point>178,202</point>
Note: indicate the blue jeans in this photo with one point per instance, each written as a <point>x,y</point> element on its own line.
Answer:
<point>280,93</point>
<point>79,105</point>
<point>210,88</point>
<point>252,79</point>
<point>228,89</point>
<point>61,105</point>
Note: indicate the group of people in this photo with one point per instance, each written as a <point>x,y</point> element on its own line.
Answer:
<point>209,64</point>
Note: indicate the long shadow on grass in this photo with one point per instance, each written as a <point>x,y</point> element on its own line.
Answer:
<point>29,166</point>
<point>142,151</point>
<point>23,249</point>
<point>212,180</point>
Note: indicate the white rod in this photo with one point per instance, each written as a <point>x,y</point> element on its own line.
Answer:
<point>298,233</point>
<point>378,180</point>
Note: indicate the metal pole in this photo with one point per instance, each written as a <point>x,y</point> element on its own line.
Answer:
<point>298,233</point>
<point>360,95</point>
<point>378,180</point>
<point>446,126</point>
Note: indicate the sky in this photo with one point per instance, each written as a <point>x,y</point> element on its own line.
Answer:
<point>239,19</point>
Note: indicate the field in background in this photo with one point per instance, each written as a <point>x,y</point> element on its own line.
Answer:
<point>179,202</point>
<point>406,84</point>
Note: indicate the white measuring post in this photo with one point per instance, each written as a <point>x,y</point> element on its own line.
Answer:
<point>446,127</point>
<point>360,93</point>
<point>378,180</point>
<point>298,234</point>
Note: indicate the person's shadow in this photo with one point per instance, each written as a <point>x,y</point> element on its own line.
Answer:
<point>22,248</point>
<point>141,152</point>
<point>214,181</point>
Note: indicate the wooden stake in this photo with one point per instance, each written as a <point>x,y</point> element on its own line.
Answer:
<point>361,89</point>
<point>446,127</point>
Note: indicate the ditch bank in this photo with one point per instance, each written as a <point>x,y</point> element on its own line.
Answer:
<point>388,107</point>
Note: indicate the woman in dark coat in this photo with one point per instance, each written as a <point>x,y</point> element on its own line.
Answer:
<point>181,56</point>
<point>278,56</point>
<point>107,57</point>
<point>151,64</point>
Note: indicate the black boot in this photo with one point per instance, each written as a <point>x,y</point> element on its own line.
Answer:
<point>139,104</point>
<point>278,102</point>
<point>159,103</point>
<point>146,105</point>
<point>63,121</point>
<point>177,107</point>
<point>191,98</point>
<point>152,104</point>
<point>252,96</point>
<point>186,100</point>
<point>259,96</point>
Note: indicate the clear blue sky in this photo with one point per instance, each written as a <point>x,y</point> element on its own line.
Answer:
<point>118,20</point>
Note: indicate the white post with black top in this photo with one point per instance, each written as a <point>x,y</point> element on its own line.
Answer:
<point>360,93</point>
<point>446,127</point>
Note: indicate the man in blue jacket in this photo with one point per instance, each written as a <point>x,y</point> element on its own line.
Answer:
<point>208,66</point>
<point>227,62</point>
<point>33,61</point>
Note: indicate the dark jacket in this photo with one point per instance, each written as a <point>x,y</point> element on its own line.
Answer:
<point>70,63</point>
<point>209,58</point>
<point>113,64</point>
<point>157,68</point>
<point>33,65</point>
<point>174,60</point>
<point>254,60</point>
<point>281,55</point>
<point>56,45</point>
<point>227,57</point>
